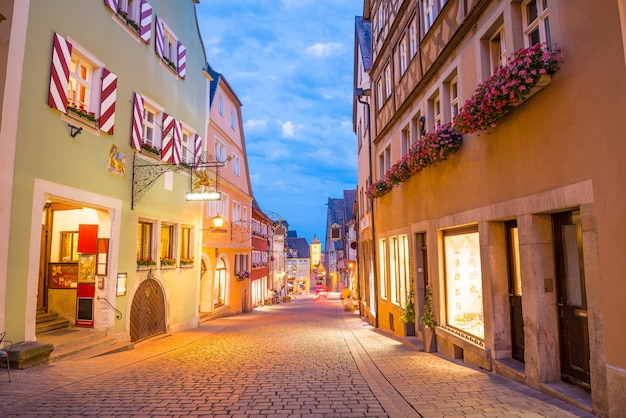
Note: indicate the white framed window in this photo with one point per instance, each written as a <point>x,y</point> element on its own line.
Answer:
<point>435,109</point>
<point>418,128</point>
<point>405,140</point>
<point>170,47</point>
<point>220,105</point>
<point>131,10</point>
<point>150,132</point>
<point>218,207</point>
<point>379,92</point>
<point>403,268</point>
<point>236,164</point>
<point>403,55</point>
<point>388,81</point>
<point>233,119</point>
<point>219,150</point>
<point>187,147</point>
<point>241,262</point>
<point>454,97</point>
<point>80,88</point>
<point>497,50</point>
<point>536,22</point>
<point>380,18</point>
<point>237,213</point>
<point>413,37</point>
<point>428,10</point>
<point>394,279</point>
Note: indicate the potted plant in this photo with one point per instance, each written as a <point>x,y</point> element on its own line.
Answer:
<point>408,316</point>
<point>427,321</point>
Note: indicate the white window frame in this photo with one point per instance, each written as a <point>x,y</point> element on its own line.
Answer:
<point>453,87</point>
<point>382,257</point>
<point>428,10</point>
<point>219,150</point>
<point>152,115</point>
<point>172,240</point>
<point>218,207</point>
<point>236,208</point>
<point>404,65</point>
<point>497,50</point>
<point>236,164</point>
<point>541,23</point>
<point>437,114</point>
<point>379,92</point>
<point>232,119</point>
<point>405,140</point>
<point>220,105</point>
<point>388,81</point>
<point>394,271</point>
<point>132,8</point>
<point>170,45</point>
<point>413,38</point>
<point>91,83</point>
<point>141,250</point>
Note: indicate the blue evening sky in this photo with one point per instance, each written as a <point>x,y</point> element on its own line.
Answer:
<point>290,62</point>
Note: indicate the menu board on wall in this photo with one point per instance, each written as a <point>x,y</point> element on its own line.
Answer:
<point>63,275</point>
<point>464,283</point>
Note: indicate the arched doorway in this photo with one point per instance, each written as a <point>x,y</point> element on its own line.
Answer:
<point>147,314</point>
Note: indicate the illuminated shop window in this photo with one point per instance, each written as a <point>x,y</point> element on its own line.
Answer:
<point>464,291</point>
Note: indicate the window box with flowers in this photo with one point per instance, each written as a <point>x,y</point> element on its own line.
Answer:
<point>145,263</point>
<point>527,72</point>
<point>242,275</point>
<point>150,150</point>
<point>186,262</point>
<point>82,116</point>
<point>168,263</point>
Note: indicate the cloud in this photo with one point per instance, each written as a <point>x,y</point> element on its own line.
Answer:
<point>254,124</point>
<point>325,50</point>
<point>288,129</point>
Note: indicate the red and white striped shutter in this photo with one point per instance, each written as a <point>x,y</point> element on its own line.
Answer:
<point>178,138</point>
<point>197,149</point>
<point>158,41</point>
<point>107,101</point>
<point>168,145</point>
<point>145,21</point>
<point>111,4</point>
<point>137,130</point>
<point>182,60</point>
<point>59,73</point>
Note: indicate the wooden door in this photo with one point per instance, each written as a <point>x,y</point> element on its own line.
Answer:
<point>147,314</point>
<point>515,291</point>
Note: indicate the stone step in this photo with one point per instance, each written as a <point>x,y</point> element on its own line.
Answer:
<point>51,325</point>
<point>94,345</point>
<point>46,316</point>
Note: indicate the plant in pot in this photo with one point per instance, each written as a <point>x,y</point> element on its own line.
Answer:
<point>427,321</point>
<point>408,316</point>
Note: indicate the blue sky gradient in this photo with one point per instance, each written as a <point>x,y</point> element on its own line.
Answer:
<point>290,62</point>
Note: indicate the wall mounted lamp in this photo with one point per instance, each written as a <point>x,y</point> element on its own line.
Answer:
<point>74,130</point>
<point>360,92</point>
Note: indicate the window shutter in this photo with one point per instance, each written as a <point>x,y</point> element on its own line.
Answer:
<point>107,101</point>
<point>59,73</point>
<point>111,4</point>
<point>145,21</point>
<point>178,137</point>
<point>197,147</point>
<point>168,146</point>
<point>158,41</point>
<point>182,60</point>
<point>135,138</point>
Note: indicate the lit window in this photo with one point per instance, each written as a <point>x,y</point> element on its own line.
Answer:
<point>186,249</point>
<point>168,232</point>
<point>464,301</point>
<point>69,246</point>
<point>144,240</point>
<point>382,254</point>
<point>79,90</point>
<point>536,22</point>
<point>394,282</point>
<point>219,284</point>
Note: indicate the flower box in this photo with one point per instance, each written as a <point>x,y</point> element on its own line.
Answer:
<point>542,83</point>
<point>86,118</point>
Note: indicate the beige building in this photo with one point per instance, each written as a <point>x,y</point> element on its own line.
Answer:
<point>495,179</point>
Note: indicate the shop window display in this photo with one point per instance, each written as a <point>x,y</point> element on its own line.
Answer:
<point>464,308</point>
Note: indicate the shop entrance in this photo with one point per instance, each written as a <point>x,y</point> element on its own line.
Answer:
<point>572,299</point>
<point>147,314</point>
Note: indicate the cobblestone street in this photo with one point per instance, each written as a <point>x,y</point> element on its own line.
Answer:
<point>304,358</point>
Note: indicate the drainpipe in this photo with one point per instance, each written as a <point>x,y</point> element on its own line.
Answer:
<point>359,93</point>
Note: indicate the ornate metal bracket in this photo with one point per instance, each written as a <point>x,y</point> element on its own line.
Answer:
<point>146,172</point>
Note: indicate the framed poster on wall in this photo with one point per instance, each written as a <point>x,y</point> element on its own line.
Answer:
<point>63,275</point>
<point>87,268</point>
<point>102,256</point>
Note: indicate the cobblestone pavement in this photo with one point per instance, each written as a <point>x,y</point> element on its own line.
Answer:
<point>304,358</point>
